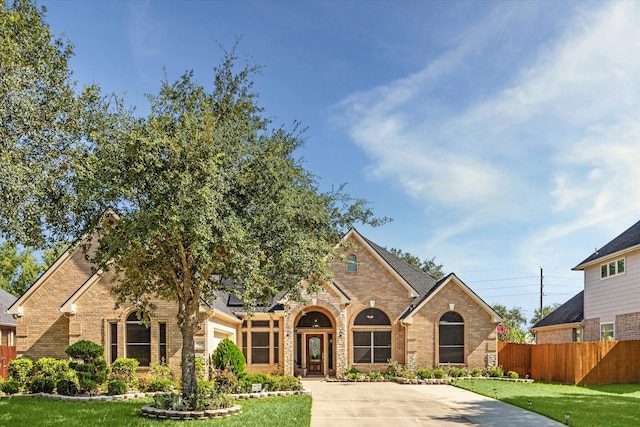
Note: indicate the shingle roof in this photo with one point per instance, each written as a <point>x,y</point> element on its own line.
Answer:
<point>6,301</point>
<point>421,282</point>
<point>571,311</point>
<point>628,239</point>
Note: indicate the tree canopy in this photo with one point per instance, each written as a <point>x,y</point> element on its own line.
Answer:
<point>20,267</point>
<point>41,121</point>
<point>513,323</point>
<point>428,265</point>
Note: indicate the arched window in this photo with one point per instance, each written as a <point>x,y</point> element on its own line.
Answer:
<point>138,340</point>
<point>371,337</point>
<point>352,263</point>
<point>451,332</point>
<point>314,319</point>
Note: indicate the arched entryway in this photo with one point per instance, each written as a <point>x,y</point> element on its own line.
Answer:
<point>314,347</point>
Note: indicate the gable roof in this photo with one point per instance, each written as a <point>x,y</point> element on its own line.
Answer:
<point>449,278</point>
<point>629,239</point>
<point>571,311</point>
<point>6,300</point>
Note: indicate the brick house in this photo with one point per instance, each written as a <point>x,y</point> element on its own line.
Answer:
<point>611,295</point>
<point>376,308</point>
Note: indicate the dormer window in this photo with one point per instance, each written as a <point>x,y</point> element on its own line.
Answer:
<point>613,268</point>
<point>352,263</point>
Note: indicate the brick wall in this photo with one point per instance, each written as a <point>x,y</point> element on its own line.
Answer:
<point>627,326</point>
<point>555,336</point>
<point>480,345</point>
<point>591,329</point>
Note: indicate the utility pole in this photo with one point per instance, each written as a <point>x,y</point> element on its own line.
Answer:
<point>541,291</point>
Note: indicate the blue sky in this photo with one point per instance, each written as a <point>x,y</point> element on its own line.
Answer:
<point>501,137</point>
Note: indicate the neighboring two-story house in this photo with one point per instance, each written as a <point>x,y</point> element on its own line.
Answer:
<point>611,296</point>
<point>376,308</point>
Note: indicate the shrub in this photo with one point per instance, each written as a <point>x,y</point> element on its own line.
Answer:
<point>455,372</point>
<point>476,372</point>
<point>19,370</point>
<point>227,356</point>
<point>116,387</point>
<point>513,374</point>
<point>93,369</point>
<point>144,382</point>
<point>289,382</point>
<point>42,385</point>
<point>125,369</point>
<point>11,386</point>
<point>67,387</point>
<point>161,370</point>
<point>395,368</point>
<point>495,371</point>
<point>199,362</point>
<point>161,384</point>
<point>375,375</point>
<point>439,373</point>
<point>424,373</point>
<point>225,381</point>
<point>49,367</point>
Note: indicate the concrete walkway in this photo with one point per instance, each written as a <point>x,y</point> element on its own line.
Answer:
<point>390,404</point>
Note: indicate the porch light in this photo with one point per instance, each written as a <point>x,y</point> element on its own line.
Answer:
<point>372,303</point>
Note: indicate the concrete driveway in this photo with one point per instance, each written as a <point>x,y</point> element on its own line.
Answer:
<point>390,404</point>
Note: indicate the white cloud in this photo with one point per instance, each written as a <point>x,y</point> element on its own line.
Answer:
<point>558,141</point>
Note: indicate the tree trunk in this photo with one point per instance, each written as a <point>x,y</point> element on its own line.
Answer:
<point>187,328</point>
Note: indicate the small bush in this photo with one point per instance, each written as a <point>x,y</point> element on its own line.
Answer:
<point>144,381</point>
<point>161,384</point>
<point>228,356</point>
<point>11,387</point>
<point>161,370</point>
<point>116,387</point>
<point>439,373</point>
<point>476,372</point>
<point>67,387</point>
<point>375,375</point>
<point>125,369</point>
<point>455,372</point>
<point>395,368</point>
<point>93,369</point>
<point>225,382</point>
<point>495,371</point>
<point>52,368</point>
<point>424,373</point>
<point>512,374</point>
<point>42,385</point>
<point>199,362</point>
<point>19,370</point>
<point>289,382</point>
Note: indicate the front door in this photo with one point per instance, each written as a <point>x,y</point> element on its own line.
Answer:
<point>315,359</point>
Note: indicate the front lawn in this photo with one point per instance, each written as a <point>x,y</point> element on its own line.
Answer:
<point>292,411</point>
<point>598,406</point>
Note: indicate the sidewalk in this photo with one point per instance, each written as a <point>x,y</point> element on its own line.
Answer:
<point>390,404</point>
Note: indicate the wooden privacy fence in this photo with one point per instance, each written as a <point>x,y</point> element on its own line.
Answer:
<point>7,354</point>
<point>582,363</point>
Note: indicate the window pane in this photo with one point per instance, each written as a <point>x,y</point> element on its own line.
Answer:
<point>352,265</point>
<point>275,323</point>
<point>259,355</point>
<point>142,353</point>
<point>362,355</point>
<point>260,339</point>
<point>381,354</point>
<point>451,354</point>
<point>620,266</point>
<point>362,339</point>
<point>612,268</point>
<point>603,271</point>
<point>244,345</point>
<point>259,323</point>
<point>451,334</point>
<point>276,347</point>
<point>162,345</point>
<point>382,339</point>
<point>372,316</point>
<point>138,333</point>
<point>606,331</point>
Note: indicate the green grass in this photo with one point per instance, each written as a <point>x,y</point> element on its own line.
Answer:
<point>601,406</point>
<point>292,411</point>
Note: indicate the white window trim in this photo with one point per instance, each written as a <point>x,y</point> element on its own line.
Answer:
<point>613,324</point>
<point>614,262</point>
